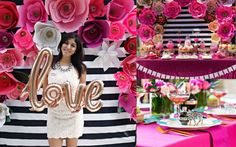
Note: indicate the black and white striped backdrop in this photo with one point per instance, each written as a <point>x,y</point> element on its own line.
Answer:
<point>105,128</point>
<point>184,25</point>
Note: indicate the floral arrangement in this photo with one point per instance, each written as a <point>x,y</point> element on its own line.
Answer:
<point>153,15</point>
<point>102,27</point>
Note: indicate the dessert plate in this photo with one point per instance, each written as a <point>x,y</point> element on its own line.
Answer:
<point>175,123</point>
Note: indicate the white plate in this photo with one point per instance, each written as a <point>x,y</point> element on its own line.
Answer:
<point>174,123</point>
<point>221,113</point>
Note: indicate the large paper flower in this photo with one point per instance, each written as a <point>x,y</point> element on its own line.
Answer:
<point>224,13</point>
<point>4,111</point>
<point>9,59</point>
<point>118,9</point>
<point>147,16</point>
<point>46,35</point>
<point>158,7</point>
<point>183,3</point>
<point>226,30</point>
<point>130,22</point>
<point>23,39</point>
<point>172,9</point>
<point>145,32</point>
<point>213,26</point>
<point>128,102</point>
<point>129,65</point>
<point>7,83</point>
<point>5,39</point>
<point>145,3</point>
<point>97,8</point>
<point>15,93</point>
<point>130,45</point>
<point>123,81</point>
<point>8,15</point>
<point>197,9</point>
<point>93,32</point>
<point>68,15</point>
<point>32,11</point>
<point>117,31</point>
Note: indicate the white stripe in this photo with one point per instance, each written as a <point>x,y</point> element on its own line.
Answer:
<point>87,130</point>
<point>81,142</point>
<point>186,25</point>
<point>186,20</point>
<point>87,117</point>
<point>185,34</point>
<point>18,103</point>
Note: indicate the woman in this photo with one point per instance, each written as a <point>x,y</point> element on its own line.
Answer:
<point>68,67</point>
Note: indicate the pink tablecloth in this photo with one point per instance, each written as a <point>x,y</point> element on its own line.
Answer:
<point>220,136</point>
<point>169,69</point>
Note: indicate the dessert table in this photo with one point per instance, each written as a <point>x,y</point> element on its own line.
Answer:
<point>186,68</point>
<point>218,136</point>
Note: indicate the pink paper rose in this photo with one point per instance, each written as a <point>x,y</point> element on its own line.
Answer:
<point>30,56</point>
<point>23,39</point>
<point>226,30</point>
<point>147,16</point>
<point>15,93</point>
<point>158,7</point>
<point>128,102</point>
<point>118,9</point>
<point>123,81</point>
<point>197,10</point>
<point>7,83</point>
<point>172,9</point>
<point>183,3</point>
<point>8,14</point>
<point>130,45</point>
<point>32,11</point>
<point>68,15</point>
<point>130,22</point>
<point>224,13</point>
<point>129,65</point>
<point>117,31</point>
<point>9,59</point>
<point>97,8</point>
<point>5,39</point>
<point>145,32</point>
<point>93,32</point>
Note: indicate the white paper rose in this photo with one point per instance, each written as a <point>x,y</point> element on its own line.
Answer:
<point>46,35</point>
<point>4,111</point>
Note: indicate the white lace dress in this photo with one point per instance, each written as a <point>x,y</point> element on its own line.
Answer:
<point>61,123</point>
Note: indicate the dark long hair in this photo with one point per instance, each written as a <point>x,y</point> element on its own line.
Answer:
<point>77,57</point>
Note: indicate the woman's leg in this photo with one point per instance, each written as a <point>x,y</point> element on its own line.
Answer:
<point>71,142</point>
<point>55,142</point>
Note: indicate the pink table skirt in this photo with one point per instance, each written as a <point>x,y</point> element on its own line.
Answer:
<point>219,136</point>
<point>171,69</point>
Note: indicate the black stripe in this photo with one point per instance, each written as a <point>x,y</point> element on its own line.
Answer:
<point>26,110</point>
<point>110,145</point>
<point>101,123</point>
<point>85,136</point>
